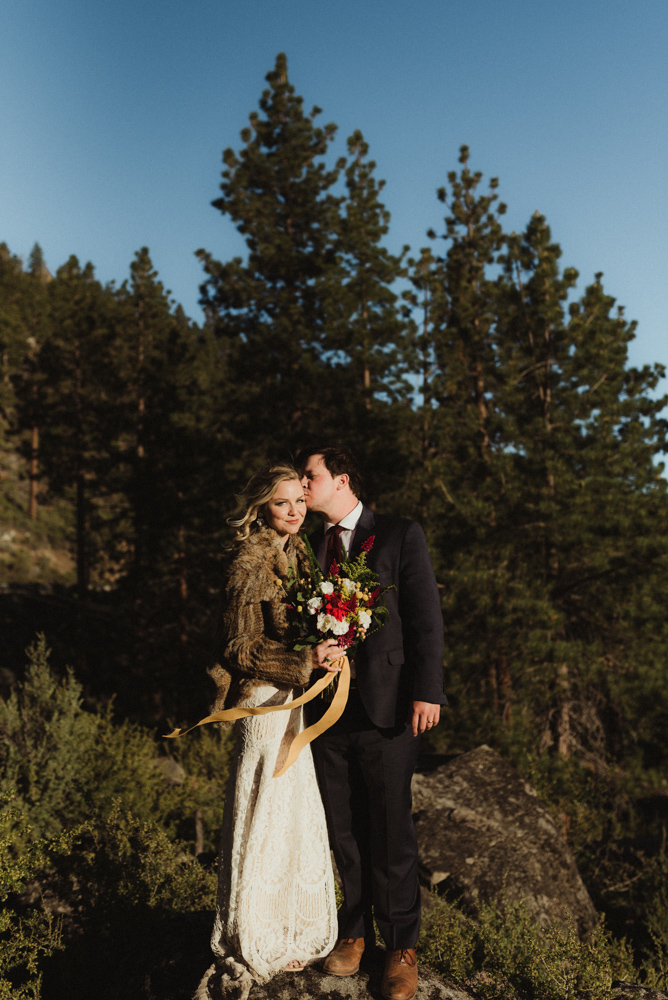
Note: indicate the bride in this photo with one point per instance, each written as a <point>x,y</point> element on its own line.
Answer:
<point>275,908</point>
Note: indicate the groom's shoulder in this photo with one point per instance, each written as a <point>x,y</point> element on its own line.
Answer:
<point>394,524</point>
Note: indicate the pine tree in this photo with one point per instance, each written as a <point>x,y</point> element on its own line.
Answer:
<point>167,465</point>
<point>13,335</point>
<point>272,313</point>
<point>75,402</point>
<point>367,344</point>
<point>145,326</point>
<point>592,503</point>
<point>458,304</point>
<point>546,508</point>
<point>38,325</point>
<point>24,328</point>
<point>423,312</point>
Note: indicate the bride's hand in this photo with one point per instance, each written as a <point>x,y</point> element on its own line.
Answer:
<point>326,653</point>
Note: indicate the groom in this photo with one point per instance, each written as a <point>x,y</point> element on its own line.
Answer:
<point>366,760</point>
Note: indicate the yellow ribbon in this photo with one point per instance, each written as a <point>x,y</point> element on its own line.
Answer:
<point>333,713</point>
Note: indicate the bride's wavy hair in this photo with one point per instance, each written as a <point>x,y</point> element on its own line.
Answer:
<point>248,516</point>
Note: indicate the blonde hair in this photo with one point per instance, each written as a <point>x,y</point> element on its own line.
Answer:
<point>257,493</point>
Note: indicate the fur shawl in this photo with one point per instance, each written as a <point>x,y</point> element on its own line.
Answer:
<point>250,644</point>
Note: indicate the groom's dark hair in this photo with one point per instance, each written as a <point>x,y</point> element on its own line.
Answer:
<point>339,461</point>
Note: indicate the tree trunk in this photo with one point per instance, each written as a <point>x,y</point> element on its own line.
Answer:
<point>140,467</point>
<point>34,452</point>
<point>563,718</point>
<point>183,589</point>
<point>82,555</point>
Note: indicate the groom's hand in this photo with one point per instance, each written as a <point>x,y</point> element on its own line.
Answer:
<point>424,717</point>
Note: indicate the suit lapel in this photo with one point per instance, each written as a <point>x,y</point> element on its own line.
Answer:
<point>364,530</point>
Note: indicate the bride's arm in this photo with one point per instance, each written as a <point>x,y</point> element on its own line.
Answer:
<point>245,647</point>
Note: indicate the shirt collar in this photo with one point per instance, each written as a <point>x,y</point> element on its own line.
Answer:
<point>349,522</point>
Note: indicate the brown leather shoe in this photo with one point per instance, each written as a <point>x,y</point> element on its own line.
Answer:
<point>400,979</point>
<point>344,959</point>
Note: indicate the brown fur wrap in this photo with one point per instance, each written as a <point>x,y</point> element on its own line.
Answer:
<point>251,632</point>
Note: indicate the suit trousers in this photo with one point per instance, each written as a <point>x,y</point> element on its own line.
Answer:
<point>364,774</point>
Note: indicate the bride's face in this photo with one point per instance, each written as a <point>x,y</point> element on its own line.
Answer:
<point>286,510</point>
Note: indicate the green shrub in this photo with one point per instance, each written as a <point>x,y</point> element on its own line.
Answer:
<point>136,901</point>
<point>94,829</point>
<point>507,957</point>
<point>129,893</point>
<point>123,863</point>
<point>65,764</point>
<point>205,756</point>
<point>639,897</point>
<point>26,937</point>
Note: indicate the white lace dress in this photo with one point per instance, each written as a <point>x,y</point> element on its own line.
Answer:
<point>275,884</point>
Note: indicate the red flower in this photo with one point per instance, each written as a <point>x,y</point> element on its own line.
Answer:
<point>334,568</point>
<point>367,545</point>
<point>348,639</point>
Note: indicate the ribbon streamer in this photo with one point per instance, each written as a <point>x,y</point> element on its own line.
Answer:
<point>332,715</point>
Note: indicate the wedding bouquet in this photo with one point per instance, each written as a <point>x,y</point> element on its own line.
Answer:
<point>345,604</point>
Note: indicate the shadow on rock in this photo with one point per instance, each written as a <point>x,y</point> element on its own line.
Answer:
<point>483,834</point>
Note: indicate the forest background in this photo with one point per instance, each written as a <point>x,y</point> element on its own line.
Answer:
<point>484,395</point>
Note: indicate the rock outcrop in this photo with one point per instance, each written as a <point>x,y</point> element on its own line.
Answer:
<point>630,991</point>
<point>312,984</point>
<point>483,834</point>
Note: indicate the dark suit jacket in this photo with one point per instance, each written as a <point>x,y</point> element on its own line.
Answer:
<point>403,661</point>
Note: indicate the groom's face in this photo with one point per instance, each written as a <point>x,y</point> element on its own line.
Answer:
<point>318,484</point>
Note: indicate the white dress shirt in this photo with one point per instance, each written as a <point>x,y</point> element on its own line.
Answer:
<point>349,524</point>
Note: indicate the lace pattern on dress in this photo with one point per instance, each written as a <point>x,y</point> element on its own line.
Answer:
<point>275,887</point>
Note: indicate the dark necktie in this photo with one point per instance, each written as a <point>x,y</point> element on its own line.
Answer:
<point>333,549</point>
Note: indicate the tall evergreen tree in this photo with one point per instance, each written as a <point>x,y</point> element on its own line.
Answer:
<point>13,335</point>
<point>74,366</point>
<point>38,326</point>
<point>145,327</point>
<point>368,340</point>
<point>167,461</point>
<point>24,328</point>
<point>586,430</point>
<point>458,302</point>
<point>546,507</point>
<point>272,312</point>
<point>370,327</point>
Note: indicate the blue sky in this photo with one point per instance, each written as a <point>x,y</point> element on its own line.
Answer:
<point>113,118</point>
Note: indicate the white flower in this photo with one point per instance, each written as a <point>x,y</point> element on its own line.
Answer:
<point>364,618</point>
<point>348,586</point>
<point>326,622</point>
<point>340,628</point>
<point>326,587</point>
<point>314,604</point>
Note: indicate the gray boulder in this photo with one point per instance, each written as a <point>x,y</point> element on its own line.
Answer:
<point>482,833</point>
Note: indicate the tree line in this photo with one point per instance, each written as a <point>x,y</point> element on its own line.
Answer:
<point>484,394</point>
